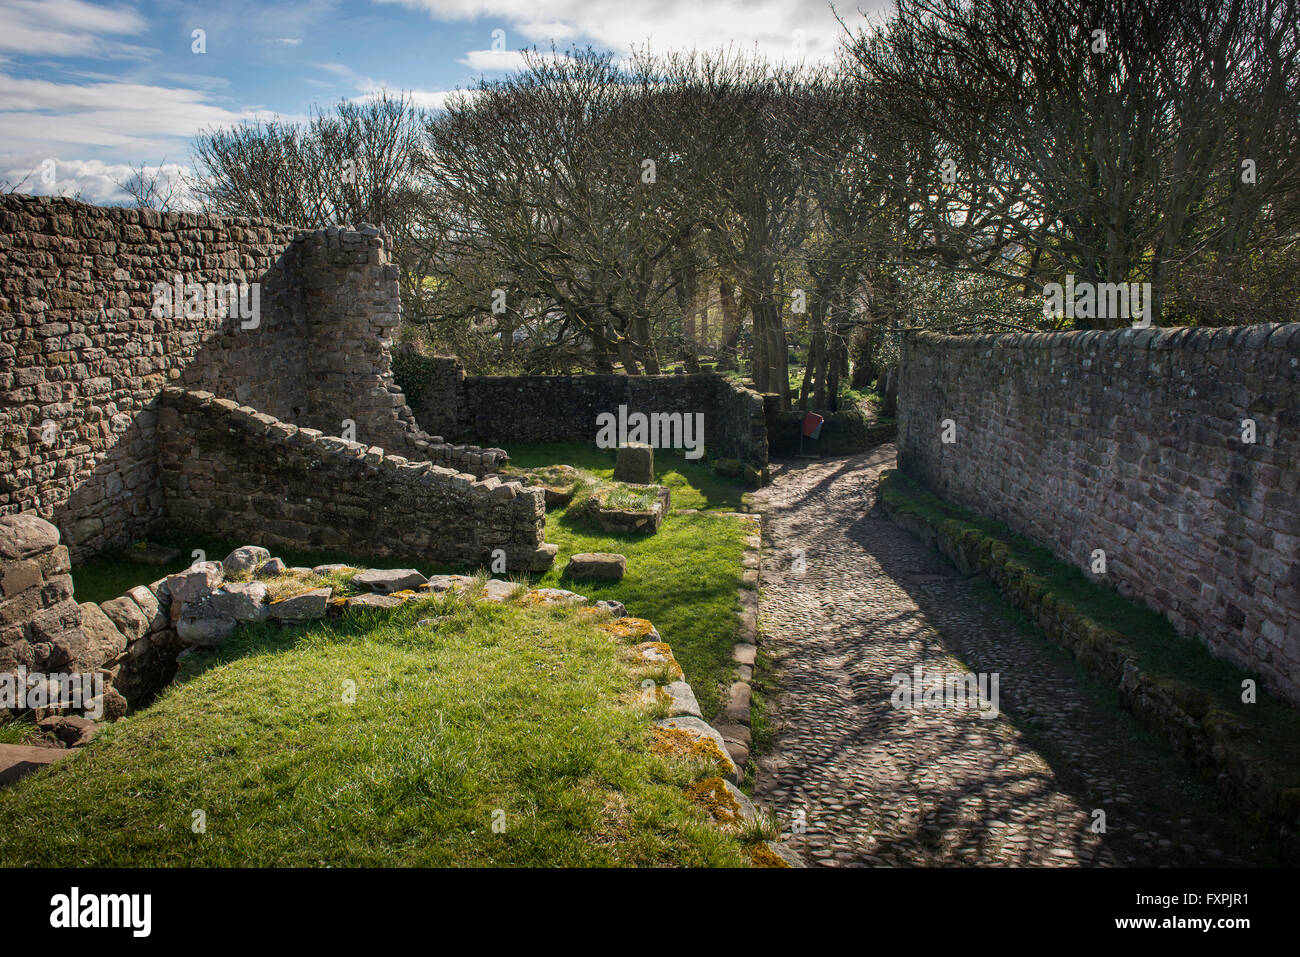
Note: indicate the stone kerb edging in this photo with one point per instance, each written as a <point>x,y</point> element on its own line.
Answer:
<point>734,722</point>
<point>1182,714</point>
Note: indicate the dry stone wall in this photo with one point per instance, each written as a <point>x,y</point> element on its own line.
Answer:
<point>40,624</point>
<point>506,409</point>
<point>1132,442</point>
<point>82,354</point>
<point>232,471</point>
<point>86,344</point>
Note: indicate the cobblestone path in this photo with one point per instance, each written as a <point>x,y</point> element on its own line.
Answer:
<point>944,787</point>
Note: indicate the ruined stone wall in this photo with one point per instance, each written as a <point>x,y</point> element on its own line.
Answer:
<point>506,409</point>
<point>84,352</point>
<point>235,472</point>
<point>80,348</point>
<point>40,624</point>
<point>1131,442</point>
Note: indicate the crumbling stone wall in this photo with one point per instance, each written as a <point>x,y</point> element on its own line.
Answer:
<point>45,634</point>
<point>1131,442</point>
<point>40,624</point>
<point>505,409</point>
<point>84,352</point>
<point>81,348</point>
<point>232,471</point>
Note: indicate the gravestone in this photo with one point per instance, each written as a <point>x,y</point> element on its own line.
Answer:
<point>636,464</point>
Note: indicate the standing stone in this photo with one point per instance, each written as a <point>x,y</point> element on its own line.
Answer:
<point>636,464</point>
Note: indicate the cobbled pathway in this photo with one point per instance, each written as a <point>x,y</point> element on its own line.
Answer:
<point>848,600</point>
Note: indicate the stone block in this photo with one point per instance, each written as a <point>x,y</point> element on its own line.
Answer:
<point>127,616</point>
<point>305,607</point>
<point>244,559</point>
<point>606,566</point>
<point>103,640</point>
<point>385,581</point>
<point>26,535</point>
<point>635,464</point>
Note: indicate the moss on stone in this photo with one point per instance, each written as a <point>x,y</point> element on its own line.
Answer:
<point>686,745</point>
<point>764,856</point>
<point>712,795</point>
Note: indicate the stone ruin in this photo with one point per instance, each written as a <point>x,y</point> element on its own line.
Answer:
<point>186,373</point>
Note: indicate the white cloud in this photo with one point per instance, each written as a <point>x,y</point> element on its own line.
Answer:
<point>491,61</point>
<point>91,181</point>
<point>422,99</point>
<point>116,114</point>
<point>370,88</point>
<point>286,41</point>
<point>70,28</point>
<point>787,30</point>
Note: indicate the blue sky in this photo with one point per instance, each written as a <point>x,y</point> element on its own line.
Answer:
<point>99,88</point>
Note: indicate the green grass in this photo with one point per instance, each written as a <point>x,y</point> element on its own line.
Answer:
<point>1158,648</point>
<point>683,578</point>
<point>692,483</point>
<point>17,730</point>
<point>629,499</point>
<point>493,709</point>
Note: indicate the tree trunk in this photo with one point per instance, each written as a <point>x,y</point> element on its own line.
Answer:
<point>730,325</point>
<point>760,368</point>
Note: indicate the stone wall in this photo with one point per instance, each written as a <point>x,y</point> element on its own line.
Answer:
<point>232,471</point>
<point>506,409</point>
<point>40,624</point>
<point>1130,442</point>
<point>84,352</point>
<point>80,347</point>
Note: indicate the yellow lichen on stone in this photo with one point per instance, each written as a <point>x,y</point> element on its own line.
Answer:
<point>629,629</point>
<point>677,743</point>
<point>764,856</point>
<point>712,795</point>
<point>658,653</point>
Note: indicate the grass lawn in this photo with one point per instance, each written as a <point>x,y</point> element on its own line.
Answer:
<point>522,716</point>
<point>683,578</point>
